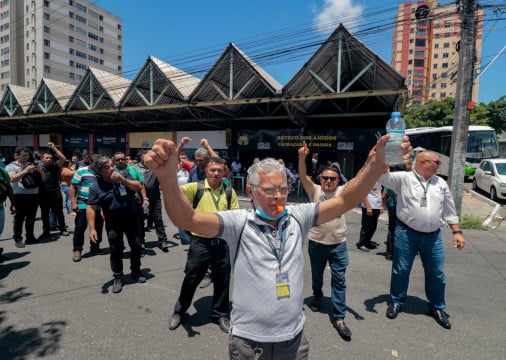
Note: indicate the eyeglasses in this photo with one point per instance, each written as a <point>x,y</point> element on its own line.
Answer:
<point>120,159</point>
<point>435,162</point>
<point>331,178</point>
<point>271,190</point>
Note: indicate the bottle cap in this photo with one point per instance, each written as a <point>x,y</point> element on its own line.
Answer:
<point>396,113</point>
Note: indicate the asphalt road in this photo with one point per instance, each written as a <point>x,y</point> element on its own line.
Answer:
<point>52,308</point>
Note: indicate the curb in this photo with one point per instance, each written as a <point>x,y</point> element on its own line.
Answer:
<point>493,213</point>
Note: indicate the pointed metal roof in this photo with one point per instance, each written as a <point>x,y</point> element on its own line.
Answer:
<point>236,76</point>
<point>343,65</point>
<point>16,100</point>
<point>98,90</point>
<point>51,96</point>
<point>159,83</point>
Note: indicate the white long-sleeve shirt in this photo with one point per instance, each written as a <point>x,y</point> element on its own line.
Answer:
<point>417,213</point>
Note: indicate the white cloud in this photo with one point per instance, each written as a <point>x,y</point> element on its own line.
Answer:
<point>335,12</point>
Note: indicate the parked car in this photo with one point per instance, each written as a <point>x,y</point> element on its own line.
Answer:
<point>490,176</point>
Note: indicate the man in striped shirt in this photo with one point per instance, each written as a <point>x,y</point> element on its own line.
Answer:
<point>80,186</point>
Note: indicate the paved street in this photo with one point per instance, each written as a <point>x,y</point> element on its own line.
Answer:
<point>52,308</point>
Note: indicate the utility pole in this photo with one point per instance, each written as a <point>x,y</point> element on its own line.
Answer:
<point>463,104</point>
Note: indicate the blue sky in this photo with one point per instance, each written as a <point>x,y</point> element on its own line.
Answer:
<point>192,34</point>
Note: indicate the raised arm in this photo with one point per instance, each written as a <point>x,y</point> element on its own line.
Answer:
<point>61,157</point>
<point>304,178</point>
<point>205,144</point>
<point>357,188</point>
<point>162,160</point>
<point>184,140</point>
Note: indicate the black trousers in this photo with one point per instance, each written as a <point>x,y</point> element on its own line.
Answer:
<point>115,231</point>
<point>155,215</point>
<point>202,253</point>
<point>80,227</point>
<point>369,225</point>
<point>52,200</point>
<point>26,209</point>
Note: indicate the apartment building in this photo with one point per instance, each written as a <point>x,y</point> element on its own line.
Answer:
<point>425,50</point>
<point>56,39</point>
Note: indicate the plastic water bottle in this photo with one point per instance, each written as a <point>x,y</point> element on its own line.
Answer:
<point>396,128</point>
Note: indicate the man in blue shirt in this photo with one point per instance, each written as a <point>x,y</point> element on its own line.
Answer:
<point>115,193</point>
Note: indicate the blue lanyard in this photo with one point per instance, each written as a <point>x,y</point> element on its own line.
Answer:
<point>282,241</point>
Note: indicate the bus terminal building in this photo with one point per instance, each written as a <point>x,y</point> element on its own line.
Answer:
<point>338,102</point>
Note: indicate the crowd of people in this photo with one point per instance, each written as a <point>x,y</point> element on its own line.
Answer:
<point>262,245</point>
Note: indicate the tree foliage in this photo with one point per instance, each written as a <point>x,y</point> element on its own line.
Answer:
<point>438,113</point>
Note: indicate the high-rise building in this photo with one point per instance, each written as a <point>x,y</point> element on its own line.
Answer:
<point>56,39</point>
<point>425,49</point>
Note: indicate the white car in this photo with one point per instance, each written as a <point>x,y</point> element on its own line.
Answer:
<point>490,176</point>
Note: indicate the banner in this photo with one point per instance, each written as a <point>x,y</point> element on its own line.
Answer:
<point>287,139</point>
<point>75,140</point>
<point>117,140</point>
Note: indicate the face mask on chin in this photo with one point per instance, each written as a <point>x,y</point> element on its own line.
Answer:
<point>262,214</point>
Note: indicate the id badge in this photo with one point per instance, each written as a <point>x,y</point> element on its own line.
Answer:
<point>423,202</point>
<point>122,190</point>
<point>282,286</point>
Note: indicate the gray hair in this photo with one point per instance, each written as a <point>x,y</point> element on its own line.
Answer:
<point>265,166</point>
<point>202,152</point>
<point>100,163</point>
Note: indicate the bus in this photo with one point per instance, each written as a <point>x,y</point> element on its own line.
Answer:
<point>481,144</point>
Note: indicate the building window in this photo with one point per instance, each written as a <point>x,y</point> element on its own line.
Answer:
<point>436,46</point>
<point>71,63</point>
<point>446,45</point>
<point>46,29</point>
<point>46,56</point>
<point>444,75</point>
<point>447,35</point>
<point>47,69</point>
<point>443,85</point>
<point>420,42</point>
<point>442,95</point>
<point>72,76</point>
<point>446,55</point>
<point>81,19</point>
<point>419,53</point>
<point>47,16</point>
<point>436,56</point>
<point>419,63</point>
<point>80,7</point>
<point>434,76</point>
<point>81,54</point>
<point>444,65</point>
<point>71,39</point>
<point>46,3</point>
<point>434,66</point>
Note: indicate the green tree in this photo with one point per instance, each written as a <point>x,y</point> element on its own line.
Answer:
<point>497,114</point>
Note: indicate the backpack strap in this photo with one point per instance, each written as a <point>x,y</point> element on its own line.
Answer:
<point>200,192</point>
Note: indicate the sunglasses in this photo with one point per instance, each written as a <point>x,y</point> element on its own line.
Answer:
<point>120,159</point>
<point>435,162</point>
<point>331,178</point>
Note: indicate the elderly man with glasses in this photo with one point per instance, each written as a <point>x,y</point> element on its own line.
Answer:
<point>423,199</point>
<point>266,244</point>
<point>327,243</point>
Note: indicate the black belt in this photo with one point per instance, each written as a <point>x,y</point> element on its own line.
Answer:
<point>419,232</point>
<point>207,241</point>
